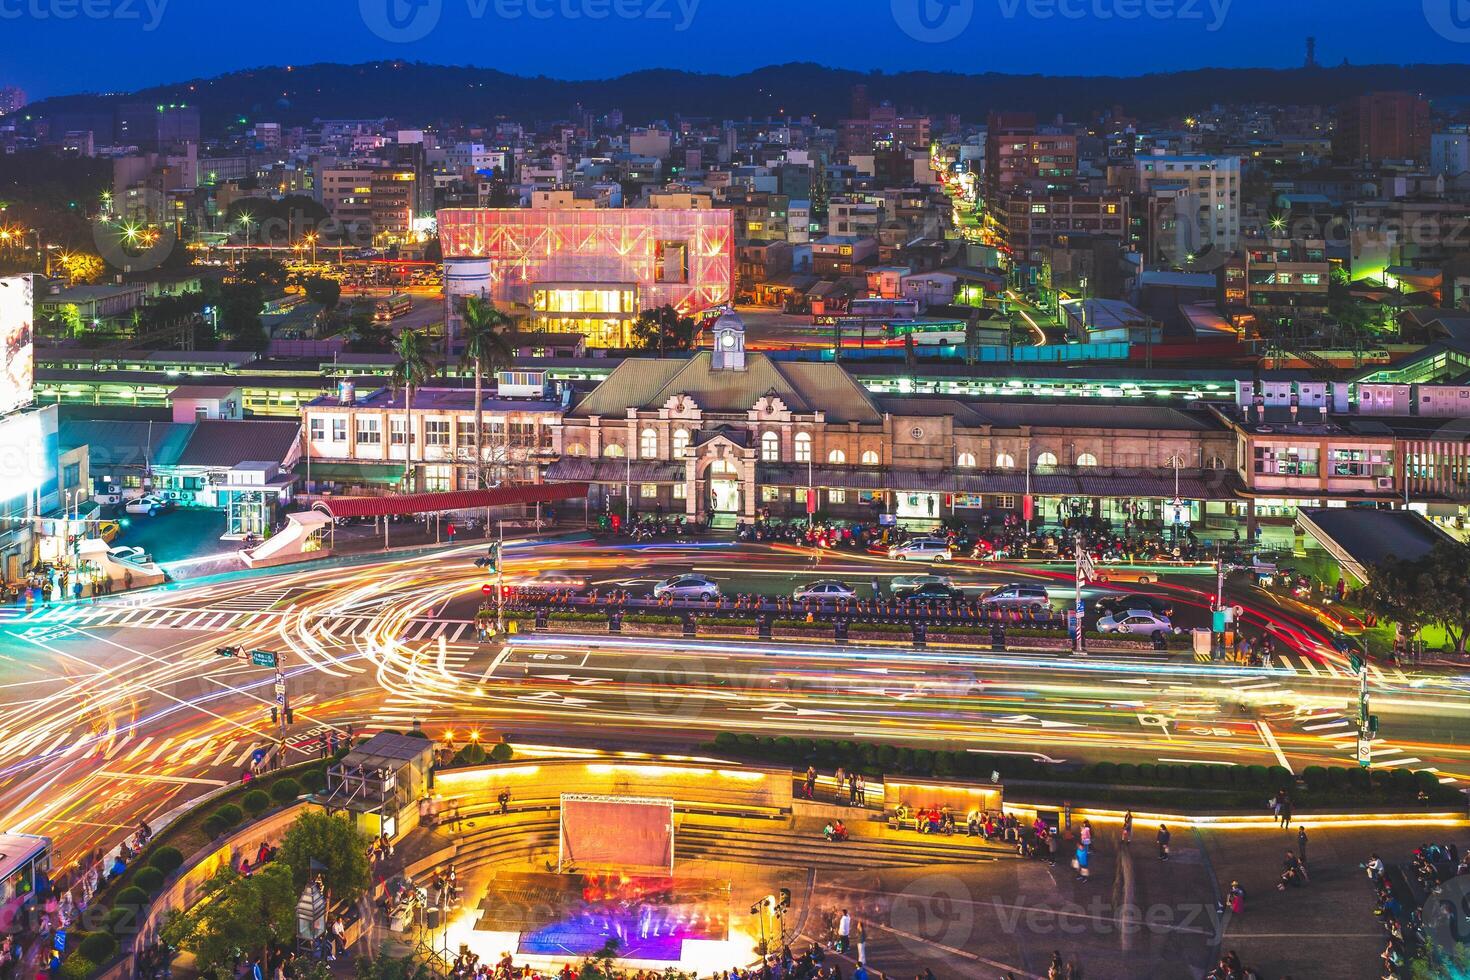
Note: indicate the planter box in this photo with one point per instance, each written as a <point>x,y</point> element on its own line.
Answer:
<point>712,630</point>
<point>788,634</point>
<point>876,637</point>
<point>961,639</point>
<point>653,629</point>
<point>562,626</point>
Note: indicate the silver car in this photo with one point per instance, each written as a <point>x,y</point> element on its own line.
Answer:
<point>1030,597</point>
<point>921,549</point>
<point>824,590</point>
<point>1136,622</point>
<point>687,587</point>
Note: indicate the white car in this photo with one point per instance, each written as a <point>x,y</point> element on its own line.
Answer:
<point>687,587</point>
<point>921,549</point>
<point>824,590</point>
<point>1136,622</point>
<point>147,504</point>
<point>127,552</point>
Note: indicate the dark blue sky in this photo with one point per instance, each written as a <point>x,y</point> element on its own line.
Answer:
<point>111,45</point>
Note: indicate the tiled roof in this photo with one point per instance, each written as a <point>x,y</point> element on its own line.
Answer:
<point>226,442</point>
<point>126,443</point>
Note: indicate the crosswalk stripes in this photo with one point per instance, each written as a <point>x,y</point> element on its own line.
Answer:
<point>253,602</point>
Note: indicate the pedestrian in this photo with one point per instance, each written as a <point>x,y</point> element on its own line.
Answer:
<point>1286,814</point>
<point>844,932</point>
<point>1128,827</point>
<point>1301,842</point>
<point>862,790</point>
<point>1083,872</point>
<point>1163,840</point>
<point>841,777</point>
<point>1086,834</point>
<point>811,782</point>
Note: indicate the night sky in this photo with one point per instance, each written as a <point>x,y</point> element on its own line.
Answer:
<point>129,44</point>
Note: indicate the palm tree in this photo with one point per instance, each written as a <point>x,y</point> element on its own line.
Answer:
<point>414,368</point>
<point>486,350</point>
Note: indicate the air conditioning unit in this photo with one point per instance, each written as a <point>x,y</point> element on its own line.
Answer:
<point>1385,483</point>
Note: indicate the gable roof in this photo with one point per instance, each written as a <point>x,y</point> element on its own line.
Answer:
<point>804,386</point>
<point>114,442</point>
<point>229,442</point>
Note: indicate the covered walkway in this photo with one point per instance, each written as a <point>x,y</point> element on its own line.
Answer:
<point>404,505</point>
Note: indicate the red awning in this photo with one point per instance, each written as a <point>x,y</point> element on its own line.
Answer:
<point>431,503</point>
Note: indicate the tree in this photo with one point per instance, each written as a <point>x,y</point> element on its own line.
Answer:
<point>236,915</point>
<point>414,368</point>
<point>385,967</point>
<point>486,349</point>
<point>239,305</point>
<point>364,334</point>
<point>663,329</point>
<point>320,289</point>
<point>268,274</point>
<point>337,848</point>
<point>83,267</point>
<point>1434,590</point>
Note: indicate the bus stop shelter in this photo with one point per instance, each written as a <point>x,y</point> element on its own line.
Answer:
<point>454,501</point>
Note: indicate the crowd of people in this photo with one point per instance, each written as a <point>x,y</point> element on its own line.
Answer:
<point>1399,899</point>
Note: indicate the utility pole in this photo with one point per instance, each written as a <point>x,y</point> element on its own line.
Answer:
<point>1367,723</point>
<point>500,578</point>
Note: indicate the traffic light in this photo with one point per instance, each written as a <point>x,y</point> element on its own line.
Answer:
<point>275,714</point>
<point>227,651</point>
<point>124,522</point>
<point>290,716</point>
<point>1373,725</point>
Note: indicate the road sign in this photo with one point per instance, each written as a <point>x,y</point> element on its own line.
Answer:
<point>280,697</point>
<point>1365,750</point>
<point>488,589</point>
<point>264,658</point>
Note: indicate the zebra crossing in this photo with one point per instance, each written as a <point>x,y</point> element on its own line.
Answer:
<point>253,601</point>
<point>223,618</point>
<point>132,750</point>
<point>1303,666</point>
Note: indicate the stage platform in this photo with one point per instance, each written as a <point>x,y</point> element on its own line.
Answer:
<point>575,915</point>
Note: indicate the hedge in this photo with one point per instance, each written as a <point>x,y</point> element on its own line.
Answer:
<point>256,802</point>
<point>148,879</point>
<point>1252,785</point>
<point>650,619</point>
<point>472,754</point>
<point>78,967</point>
<point>314,780</point>
<point>230,814</point>
<point>501,752</point>
<point>285,791</point>
<point>576,617</point>
<point>131,897</point>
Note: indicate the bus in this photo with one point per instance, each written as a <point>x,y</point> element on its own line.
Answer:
<point>927,333</point>
<point>392,307</point>
<point>25,869</point>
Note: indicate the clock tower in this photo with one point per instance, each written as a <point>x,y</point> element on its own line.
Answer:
<point>729,354</point>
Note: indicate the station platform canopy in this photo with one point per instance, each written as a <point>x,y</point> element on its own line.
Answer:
<point>1361,537</point>
<point>404,505</point>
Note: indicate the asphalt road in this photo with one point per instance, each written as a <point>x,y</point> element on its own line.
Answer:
<point>120,710</point>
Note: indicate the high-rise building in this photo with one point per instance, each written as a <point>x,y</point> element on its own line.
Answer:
<point>157,127</point>
<point>1449,152</point>
<point>1022,158</point>
<point>1383,126</point>
<point>1197,200</point>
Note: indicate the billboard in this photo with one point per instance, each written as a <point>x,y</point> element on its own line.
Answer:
<point>617,833</point>
<point>17,383</point>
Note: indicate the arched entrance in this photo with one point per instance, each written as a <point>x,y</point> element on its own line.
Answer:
<point>724,487</point>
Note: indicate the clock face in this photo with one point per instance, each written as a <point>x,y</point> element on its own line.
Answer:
<point>727,341</point>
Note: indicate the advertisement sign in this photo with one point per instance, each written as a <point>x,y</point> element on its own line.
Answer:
<point>17,382</point>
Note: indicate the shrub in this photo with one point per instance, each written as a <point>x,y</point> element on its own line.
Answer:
<point>416,733</point>
<point>1315,777</point>
<point>1148,773</point>
<point>1401,782</point>
<point>256,802</point>
<point>120,919</point>
<point>1359,780</point>
<point>1257,776</point>
<point>285,791</point>
<point>214,825</point>
<point>473,754</point>
<point>167,859</point>
<point>131,897</point>
<point>148,879</point>
<point>502,752</point>
<point>1127,773</point>
<point>906,760</point>
<point>99,947</point>
<point>1337,777</point>
<point>726,741</point>
<point>314,780</point>
<point>1280,777</point>
<point>1105,772</point>
<point>785,747</point>
<point>924,761</point>
<point>78,967</point>
<point>230,814</point>
<point>826,749</point>
<point>748,742</point>
<point>887,756</point>
<point>1427,782</point>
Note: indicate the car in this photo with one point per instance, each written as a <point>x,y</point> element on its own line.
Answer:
<point>147,504</point>
<point>687,587</point>
<point>921,549</point>
<point>1126,573</point>
<point>1114,602</point>
<point>1033,598</point>
<point>108,530</point>
<point>1136,622</point>
<point>127,552</point>
<point>824,590</point>
<point>907,583</point>
<point>932,592</point>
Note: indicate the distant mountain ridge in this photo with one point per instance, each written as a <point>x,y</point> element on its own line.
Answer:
<point>414,93</point>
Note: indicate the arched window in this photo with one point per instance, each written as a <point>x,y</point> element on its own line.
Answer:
<point>681,443</point>
<point>1086,459</point>
<point>965,461</point>
<point>576,449</point>
<point>1046,461</point>
<point>723,468</point>
<point>870,458</point>
<point>1005,461</point>
<point>770,447</point>
<point>648,444</point>
<point>612,450</point>
<point>1216,463</point>
<point>803,447</point>
<point>837,456</point>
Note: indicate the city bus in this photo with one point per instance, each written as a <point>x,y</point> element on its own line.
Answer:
<point>392,307</point>
<point>926,333</point>
<point>25,869</point>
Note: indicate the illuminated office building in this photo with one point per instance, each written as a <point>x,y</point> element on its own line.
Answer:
<point>587,271</point>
